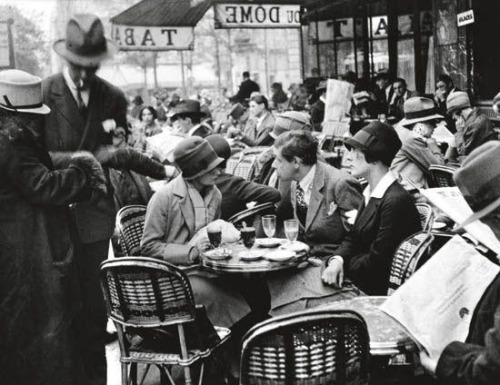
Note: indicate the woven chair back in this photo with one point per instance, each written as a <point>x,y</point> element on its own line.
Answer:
<point>407,257</point>
<point>130,224</point>
<point>318,347</point>
<point>426,216</point>
<point>146,292</point>
<point>441,176</point>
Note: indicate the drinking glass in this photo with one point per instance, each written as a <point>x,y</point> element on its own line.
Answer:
<point>248,237</point>
<point>291,230</point>
<point>269,225</point>
<point>214,235</point>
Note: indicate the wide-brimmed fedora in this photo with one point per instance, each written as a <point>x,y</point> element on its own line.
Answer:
<point>479,180</point>
<point>21,92</point>
<point>85,43</point>
<point>195,157</point>
<point>419,109</point>
<point>187,108</point>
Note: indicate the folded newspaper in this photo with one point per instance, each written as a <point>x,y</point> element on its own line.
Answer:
<point>436,304</point>
<point>451,201</point>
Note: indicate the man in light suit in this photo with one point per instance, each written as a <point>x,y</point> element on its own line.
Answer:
<point>84,109</point>
<point>320,196</point>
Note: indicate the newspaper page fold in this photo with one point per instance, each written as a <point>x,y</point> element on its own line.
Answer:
<point>437,303</point>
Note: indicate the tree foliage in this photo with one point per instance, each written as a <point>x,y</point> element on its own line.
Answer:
<point>30,44</point>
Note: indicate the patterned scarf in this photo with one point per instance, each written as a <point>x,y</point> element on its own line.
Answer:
<point>203,207</point>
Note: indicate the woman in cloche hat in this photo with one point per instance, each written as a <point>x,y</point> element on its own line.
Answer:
<point>386,217</point>
<point>36,254</point>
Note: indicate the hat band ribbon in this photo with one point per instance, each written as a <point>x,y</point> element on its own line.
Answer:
<point>420,114</point>
<point>9,104</point>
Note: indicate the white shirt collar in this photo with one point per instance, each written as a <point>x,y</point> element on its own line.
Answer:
<point>380,189</point>
<point>306,182</point>
<point>72,87</point>
<point>260,119</point>
<point>71,84</point>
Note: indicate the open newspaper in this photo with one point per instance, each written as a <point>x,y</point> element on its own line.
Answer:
<point>451,201</point>
<point>437,303</point>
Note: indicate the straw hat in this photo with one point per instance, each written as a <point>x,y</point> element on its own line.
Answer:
<point>195,157</point>
<point>418,109</point>
<point>479,180</point>
<point>457,101</point>
<point>21,92</point>
<point>85,44</point>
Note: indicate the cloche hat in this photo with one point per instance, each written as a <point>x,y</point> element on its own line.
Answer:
<point>21,92</point>
<point>195,157</point>
<point>85,44</point>
<point>291,121</point>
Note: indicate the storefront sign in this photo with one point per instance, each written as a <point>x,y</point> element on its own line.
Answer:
<point>465,18</point>
<point>5,45</point>
<point>256,16</point>
<point>344,28</point>
<point>153,38</point>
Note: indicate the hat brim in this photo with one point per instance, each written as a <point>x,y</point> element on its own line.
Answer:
<point>187,113</point>
<point>86,61</point>
<point>209,168</point>
<point>481,213</point>
<point>43,110</point>
<point>408,122</point>
<point>353,143</point>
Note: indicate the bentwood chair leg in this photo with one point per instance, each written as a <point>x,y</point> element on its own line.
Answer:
<point>124,373</point>
<point>185,355</point>
<point>165,375</point>
<point>202,369</point>
<point>145,374</point>
<point>133,374</point>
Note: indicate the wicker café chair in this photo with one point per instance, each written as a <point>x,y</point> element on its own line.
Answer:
<point>246,167</point>
<point>315,347</point>
<point>130,225</point>
<point>441,176</point>
<point>426,216</point>
<point>149,293</point>
<point>408,257</point>
<point>252,217</point>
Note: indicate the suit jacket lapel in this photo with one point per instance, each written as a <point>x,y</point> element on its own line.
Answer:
<point>316,195</point>
<point>180,189</point>
<point>367,213</point>
<point>65,103</point>
<point>92,127</point>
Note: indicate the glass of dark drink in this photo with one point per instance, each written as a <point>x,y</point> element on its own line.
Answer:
<point>214,235</point>
<point>248,237</point>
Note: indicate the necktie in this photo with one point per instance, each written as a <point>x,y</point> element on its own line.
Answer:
<point>79,101</point>
<point>301,204</point>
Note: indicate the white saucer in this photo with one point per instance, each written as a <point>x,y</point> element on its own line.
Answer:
<point>294,247</point>
<point>280,255</point>
<point>250,256</point>
<point>218,254</point>
<point>268,242</point>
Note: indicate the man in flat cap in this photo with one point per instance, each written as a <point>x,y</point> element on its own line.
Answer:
<point>84,111</point>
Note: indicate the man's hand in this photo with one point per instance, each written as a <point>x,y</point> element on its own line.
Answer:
<point>427,362</point>
<point>334,273</point>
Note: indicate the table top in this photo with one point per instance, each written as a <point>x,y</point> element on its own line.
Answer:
<point>234,264</point>
<point>387,337</point>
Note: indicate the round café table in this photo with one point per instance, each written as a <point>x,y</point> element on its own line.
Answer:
<point>234,264</point>
<point>387,337</point>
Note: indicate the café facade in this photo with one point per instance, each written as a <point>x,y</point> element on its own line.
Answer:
<point>414,39</point>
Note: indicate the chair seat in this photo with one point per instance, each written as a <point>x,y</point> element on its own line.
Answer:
<point>159,358</point>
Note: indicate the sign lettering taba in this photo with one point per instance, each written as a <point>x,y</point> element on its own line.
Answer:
<point>169,35</point>
<point>147,38</point>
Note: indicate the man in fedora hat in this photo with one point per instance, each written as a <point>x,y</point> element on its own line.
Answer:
<point>419,149</point>
<point>477,361</point>
<point>39,293</point>
<point>83,109</point>
<point>473,127</point>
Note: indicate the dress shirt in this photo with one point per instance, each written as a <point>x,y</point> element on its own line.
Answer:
<point>380,188</point>
<point>306,184</point>
<point>84,92</point>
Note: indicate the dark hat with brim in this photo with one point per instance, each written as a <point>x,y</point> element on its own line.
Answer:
<point>377,134</point>
<point>85,44</point>
<point>187,108</point>
<point>195,157</point>
<point>220,145</point>
<point>291,121</point>
<point>479,180</point>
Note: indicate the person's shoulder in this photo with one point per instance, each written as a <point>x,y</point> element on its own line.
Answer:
<point>396,193</point>
<point>104,84</point>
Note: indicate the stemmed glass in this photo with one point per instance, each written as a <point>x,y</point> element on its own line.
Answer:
<point>248,237</point>
<point>269,225</point>
<point>291,230</point>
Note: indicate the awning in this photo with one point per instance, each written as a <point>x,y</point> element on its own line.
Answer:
<point>158,25</point>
